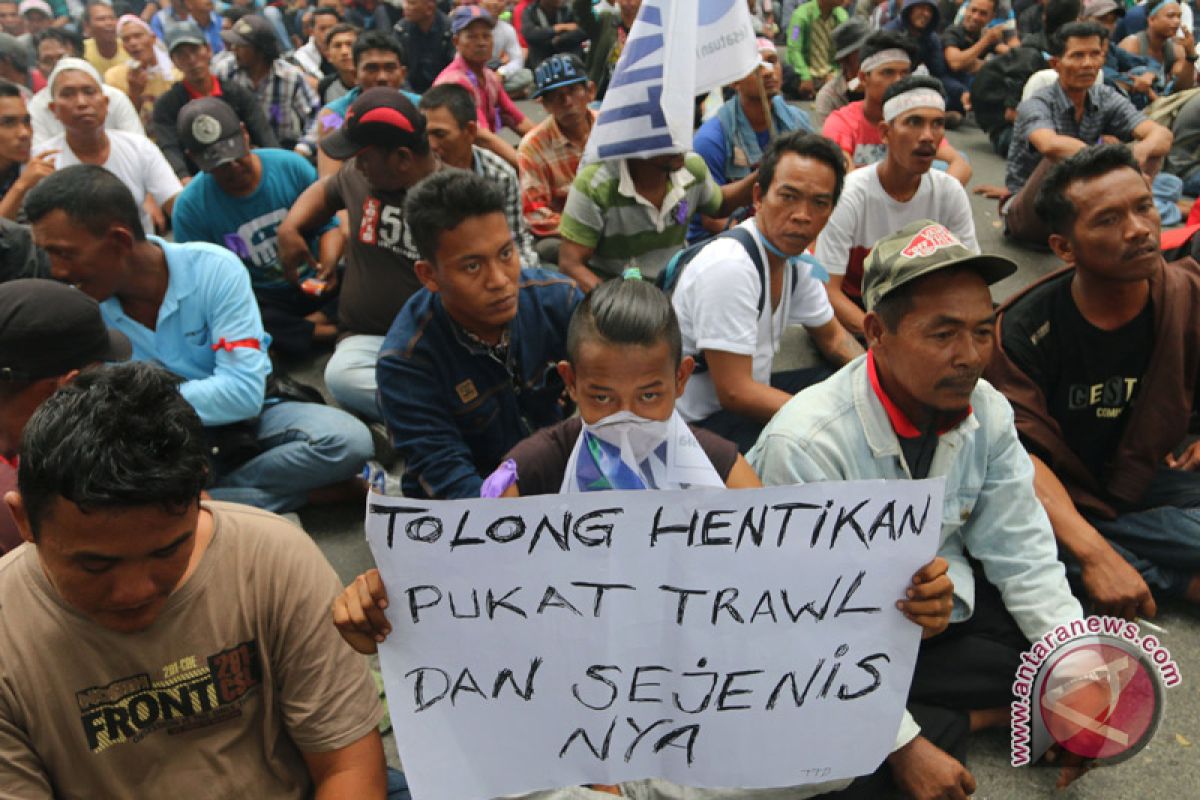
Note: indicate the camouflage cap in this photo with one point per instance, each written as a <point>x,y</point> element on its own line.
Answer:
<point>918,249</point>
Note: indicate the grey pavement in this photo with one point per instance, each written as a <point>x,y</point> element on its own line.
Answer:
<point>1169,767</point>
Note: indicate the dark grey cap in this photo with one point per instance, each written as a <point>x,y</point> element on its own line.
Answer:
<point>48,329</point>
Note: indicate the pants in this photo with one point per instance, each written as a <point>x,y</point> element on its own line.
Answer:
<point>744,431</point>
<point>547,250</point>
<point>397,785</point>
<point>518,83</point>
<point>1191,184</point>
<point>350,375</point>
<point>1021,222</point>
<point>1161,540</point>
<point>284,309</point>
<point>970,666</point>
<point>955,88</point>
<point>306,446</point>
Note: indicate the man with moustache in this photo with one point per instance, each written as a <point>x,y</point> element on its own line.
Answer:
<point>1101,362</point>
<point>888,194</point>
<point>914,408</point>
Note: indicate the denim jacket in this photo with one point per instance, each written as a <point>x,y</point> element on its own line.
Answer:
<point>453,409</point>
<point>839,430</point>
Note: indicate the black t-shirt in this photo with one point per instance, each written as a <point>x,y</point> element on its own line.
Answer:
<point>960,37</point>
<point>1089,377</point>
<point>542,458</point>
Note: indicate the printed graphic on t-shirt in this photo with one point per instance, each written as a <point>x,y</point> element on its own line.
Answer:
<point>190,694</point>
<point>255,242</point>
<point>867,154</point>
<point>1108,399</point>
<point>383,226</point>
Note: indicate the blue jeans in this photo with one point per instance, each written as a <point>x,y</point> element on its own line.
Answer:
<point>397,785</point>
<point>1162,540</point>
<point>350,375</point>
<point>1191,184</point>
<point>306,446</point>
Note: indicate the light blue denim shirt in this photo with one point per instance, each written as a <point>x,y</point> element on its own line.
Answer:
<point>838,430</point>
<point>209,332</point>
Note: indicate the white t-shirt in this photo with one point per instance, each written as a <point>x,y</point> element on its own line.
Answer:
<point>504,40</point>
<point>865,213</point>
<point>134,159</point>
<point>716,301</point>
<point>122,116</point>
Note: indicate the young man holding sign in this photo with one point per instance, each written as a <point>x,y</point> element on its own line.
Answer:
<point>625,369</point>
<point>914,407</point>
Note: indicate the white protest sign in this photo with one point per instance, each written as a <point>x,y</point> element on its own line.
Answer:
<point>676,49</point>
<point>709,637</point>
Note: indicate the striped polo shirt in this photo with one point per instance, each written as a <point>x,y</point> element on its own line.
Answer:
<point>605,213</point>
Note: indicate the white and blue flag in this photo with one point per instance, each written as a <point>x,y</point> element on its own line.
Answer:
<point>676,50</point>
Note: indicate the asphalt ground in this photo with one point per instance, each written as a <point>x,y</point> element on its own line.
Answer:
<point>1168,767</point>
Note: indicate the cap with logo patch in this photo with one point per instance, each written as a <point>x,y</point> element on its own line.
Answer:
<point>48,329</point>
<point>211,132</point>
<point>918,249</point>
<point>181,33</point>
<point>253,31</point>
<point>380,116</point>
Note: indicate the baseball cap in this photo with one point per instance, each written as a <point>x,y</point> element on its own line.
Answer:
<point>560,69</point>
<point>1098,8</point>
<point>48,329</point>
<point>919,249</point>
<point>463,16</point>
<point>253,31</point>
<point>380,116</point>
<point>850,36</point>
<point>35,5</point>
<point>211,132</point>
<point>178,33</point>
<point>13,51</point>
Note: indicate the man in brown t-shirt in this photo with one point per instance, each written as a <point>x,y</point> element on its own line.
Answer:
<point>151,642</point>
<point>385,152</point>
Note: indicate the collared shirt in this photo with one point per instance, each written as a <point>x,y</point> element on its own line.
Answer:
<point>548,161</point>
<point>494,108</point>
<point>497,171</point>
<point>212,31</point>
<point>287,100</point>
<point>1105,112</point>
<point>839,430</point>
<point>605,212</point>
<point>333,114</point>
<point>209,332</point>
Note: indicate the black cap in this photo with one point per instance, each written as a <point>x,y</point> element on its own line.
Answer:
<point>560,69</point>
<point>380,116</point>
<point>210,130</point>
<point>849,37</point>
<point>254,31</point>
<point>48,329</point>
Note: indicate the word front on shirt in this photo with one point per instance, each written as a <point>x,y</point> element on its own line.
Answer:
<point>778,525</point>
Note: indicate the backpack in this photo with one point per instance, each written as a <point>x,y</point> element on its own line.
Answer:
<point>668,279</point>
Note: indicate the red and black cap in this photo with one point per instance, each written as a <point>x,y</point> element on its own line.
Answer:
<point>380,116</point>
<point>48,329</point>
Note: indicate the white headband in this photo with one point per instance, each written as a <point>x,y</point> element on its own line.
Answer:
<point>920,97</point>
<point>877,60</point>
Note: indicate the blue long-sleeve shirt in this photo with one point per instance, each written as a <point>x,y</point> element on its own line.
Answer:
<point>209,332</point>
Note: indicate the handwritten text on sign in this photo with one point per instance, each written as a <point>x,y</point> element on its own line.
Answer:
<point>713,638</point>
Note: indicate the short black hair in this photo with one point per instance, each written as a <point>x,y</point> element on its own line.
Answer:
<point>10,89</point>
<point>1058,13</point>
<point>377,40</point>
<point>1076,30</point>
<point>625,311</point>
<point>66,38</point>
<point>341,27</point>
<point>1053,206</point>
<point>888,40</point>
<point>234,13</point>
<point>87,9</point>
<point>89,195</point>
<point>809,145</point>
<point>910,82</point>
<point>455,98</point>
<point>442,201</point>
<point>323,11</point>
<point>117,436</point>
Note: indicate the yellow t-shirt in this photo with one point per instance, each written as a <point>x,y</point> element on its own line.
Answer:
<point>91,54</point>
